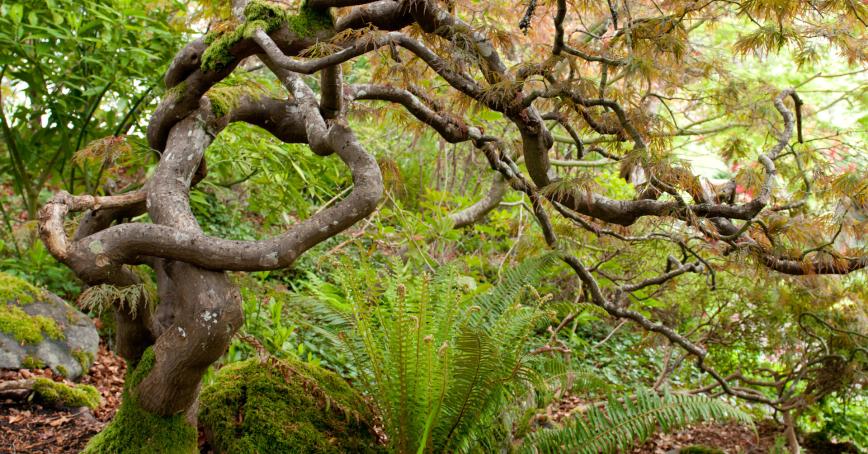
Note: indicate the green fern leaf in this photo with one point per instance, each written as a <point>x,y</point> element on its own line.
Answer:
<point>630,420</point>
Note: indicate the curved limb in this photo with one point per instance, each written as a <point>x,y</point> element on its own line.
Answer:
<point>483,206</point>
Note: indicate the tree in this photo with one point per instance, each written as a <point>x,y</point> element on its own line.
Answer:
<point>625,82</point>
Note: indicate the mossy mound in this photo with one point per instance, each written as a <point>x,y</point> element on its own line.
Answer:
<point>65,395</point>
<point>136,431</point>
<point>284,407</point>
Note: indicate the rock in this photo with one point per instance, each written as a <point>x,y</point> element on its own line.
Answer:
<point>38,329</point>
<point>285,406</point>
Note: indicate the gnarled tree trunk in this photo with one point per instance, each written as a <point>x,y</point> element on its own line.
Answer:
<point>199,309</point>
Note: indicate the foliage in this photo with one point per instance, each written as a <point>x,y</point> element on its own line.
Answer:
<point>273,405</point>
<point>267,327</point>
<point>133,298</point>
<point>82,76</point>
<point>37,266</point>
<point>842,420</point>
<point>136,431</point>
<point>242,161</point>
<point>53,104</point>
<point>629,420</point>
<point>437,356</point>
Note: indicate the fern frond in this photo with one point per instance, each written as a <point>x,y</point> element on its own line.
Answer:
<point>131,298</point>
<point>628,421</point>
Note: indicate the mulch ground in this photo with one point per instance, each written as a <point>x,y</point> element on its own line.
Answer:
<point>729,438</point>
<point>27,427</point>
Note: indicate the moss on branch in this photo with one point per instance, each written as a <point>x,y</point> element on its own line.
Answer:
<point>226,95</point>
<point>268,17</point>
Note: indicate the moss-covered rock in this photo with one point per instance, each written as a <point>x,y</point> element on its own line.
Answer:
<point>136,431</point>
<point>13,288</point>
<point>85,359</point>
<point>38,329</point>
<point>267,16</point>
<point>26,328</point>
<point>284,407</point>
<point>29,362</point>
<point>65,395</point>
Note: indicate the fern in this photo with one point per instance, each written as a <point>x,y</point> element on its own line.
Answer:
<point>439,361</point>
<point>628,421</point>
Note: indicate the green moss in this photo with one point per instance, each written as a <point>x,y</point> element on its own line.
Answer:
<point>26,328</point>
<point>177,89</point>
<point>226,95</point>
<point>30,362</point>
<point>62,394</point>
<point>134,430</point>
<point>268,17</point>
<point>309,21</point>
<point>256,407</point>
<point>224,99</point>
<point>84,359</point>
<point>16,289</point>
<point>62,369</point>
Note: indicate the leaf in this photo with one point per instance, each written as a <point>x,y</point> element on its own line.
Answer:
<point>623,422</point>
<point>16,12</point>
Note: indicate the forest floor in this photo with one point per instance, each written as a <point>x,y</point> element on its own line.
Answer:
<point>27,427</point>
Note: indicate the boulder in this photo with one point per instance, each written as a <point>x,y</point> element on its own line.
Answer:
<point>38,329</point>
<point>285,406</point>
